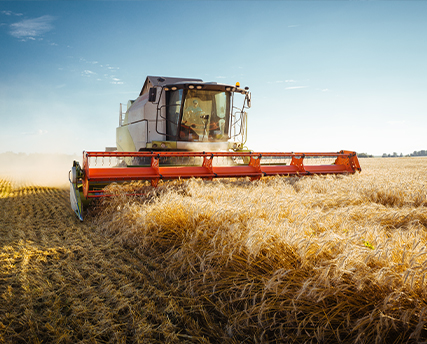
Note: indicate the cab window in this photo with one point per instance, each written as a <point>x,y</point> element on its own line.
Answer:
<point>173,101</point>
<point>204,116</point>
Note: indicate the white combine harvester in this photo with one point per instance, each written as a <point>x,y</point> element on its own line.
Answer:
<point>184,128</point>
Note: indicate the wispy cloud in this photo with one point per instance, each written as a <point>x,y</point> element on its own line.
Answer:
<point>87,72</point>
<point>277,82</point>
<point>290,80</point>
<point>100,71</point>
<point>82,59</point>
<point>10,13</point>
<point>115,81</point>
<point>294,87</point>
<point>28,29</point>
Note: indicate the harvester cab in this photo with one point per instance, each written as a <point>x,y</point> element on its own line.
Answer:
<point>177,114</point>
<point>185,128</point>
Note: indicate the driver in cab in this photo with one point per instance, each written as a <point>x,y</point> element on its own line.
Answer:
<point>191,121</point>
<point>193,112</point>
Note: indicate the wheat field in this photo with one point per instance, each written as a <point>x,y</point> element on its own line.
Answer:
<point>334,259</point>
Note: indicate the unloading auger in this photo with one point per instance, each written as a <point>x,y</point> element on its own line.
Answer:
<point>184,128</point>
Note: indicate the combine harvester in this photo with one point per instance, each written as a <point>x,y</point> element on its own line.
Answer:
<point>184,128</point>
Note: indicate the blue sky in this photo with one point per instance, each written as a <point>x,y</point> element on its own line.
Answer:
<point>324,75</point>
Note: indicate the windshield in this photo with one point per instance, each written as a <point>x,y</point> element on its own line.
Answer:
<point>204,116</point>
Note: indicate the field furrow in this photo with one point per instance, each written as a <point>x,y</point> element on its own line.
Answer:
<point>63,281</point>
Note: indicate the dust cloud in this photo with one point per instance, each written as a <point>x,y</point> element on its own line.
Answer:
<point>37,169</point>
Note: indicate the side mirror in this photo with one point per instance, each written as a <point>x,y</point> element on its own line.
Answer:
<point>248,100</point>
<point>152,94</point>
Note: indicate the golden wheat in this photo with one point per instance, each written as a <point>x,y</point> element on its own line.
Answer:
<point>320,259</point>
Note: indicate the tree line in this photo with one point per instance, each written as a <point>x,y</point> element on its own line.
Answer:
<point>415,153</point>
<point>419,153</point>
<point>394,155</point>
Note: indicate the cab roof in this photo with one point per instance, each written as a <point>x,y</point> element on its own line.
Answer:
<point>159,81</point>
<point>153,81</point>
